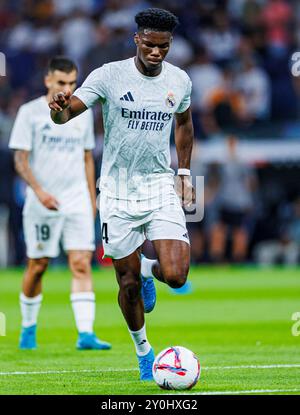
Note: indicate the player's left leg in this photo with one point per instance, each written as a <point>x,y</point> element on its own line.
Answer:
<point>83,300</point>
<point>168,233</point>
<point>172,265</point>
<point>78,241</point>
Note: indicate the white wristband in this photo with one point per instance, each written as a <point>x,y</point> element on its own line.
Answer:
<point>183,172</point>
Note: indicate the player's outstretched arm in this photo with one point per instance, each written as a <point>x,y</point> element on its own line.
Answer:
<point>184,137</point>
<point>22,166</point>
<point>65,106</point>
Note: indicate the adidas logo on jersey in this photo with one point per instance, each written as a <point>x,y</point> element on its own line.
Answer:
<point>127,97</point>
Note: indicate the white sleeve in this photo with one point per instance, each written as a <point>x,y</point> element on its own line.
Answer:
<point>21,135</point>
<point>93,88</point>
<point>186,101</point>
<point>89,136</point>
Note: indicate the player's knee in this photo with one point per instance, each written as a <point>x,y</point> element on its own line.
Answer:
<point>80,266</point>
<point>176,278</point>
<point>38,266</point>
<point>130,287</point>
<point>177,282</point>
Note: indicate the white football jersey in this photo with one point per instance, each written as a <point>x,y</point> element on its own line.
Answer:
<point>56,156</point>
<point>137,113</point>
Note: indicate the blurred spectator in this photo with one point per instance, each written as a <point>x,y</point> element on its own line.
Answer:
<point>45,38</point>
<point>181,52</point>
<point>110,46</point>
<point>67,7</point>
<point>20,35</point>
<point>235,204</point>
<point>120,14</point>
<point>200,232</point>
<point>253,83</point>
<point>6,123</point>
<point>78,35</point>
<point>5,119</point>
<point>247,11</point>
<point>196,230</point>
<point>251,10</point>
<point>277,18</point>
<point>294,226</point>
<point>221,40</point>
<point>6,16</point>
<point>8,203</point>
<point>285,249</point>
<point>205,76</point>
<point>226,102</point>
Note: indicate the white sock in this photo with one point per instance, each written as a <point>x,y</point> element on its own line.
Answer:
<point>142,346</point>
<point>84,309</point>
<point>30,307</point>
<point>146,267</point>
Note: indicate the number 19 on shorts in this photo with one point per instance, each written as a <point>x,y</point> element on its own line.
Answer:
<point>42,232</point>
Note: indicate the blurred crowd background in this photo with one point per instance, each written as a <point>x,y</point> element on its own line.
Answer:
<point>246,107</point>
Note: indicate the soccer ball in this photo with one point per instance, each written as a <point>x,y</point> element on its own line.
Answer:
<point>176,368</point>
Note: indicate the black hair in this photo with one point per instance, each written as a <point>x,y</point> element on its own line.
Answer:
<point>158,20</point>
<point>61,63</point>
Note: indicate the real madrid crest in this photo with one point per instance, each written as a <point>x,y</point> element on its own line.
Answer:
<point>170,100</point>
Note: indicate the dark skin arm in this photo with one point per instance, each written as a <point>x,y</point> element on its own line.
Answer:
<point>90,176</point>
<point>184,137</point>
<point>22,166</point>
<point>64,107</point>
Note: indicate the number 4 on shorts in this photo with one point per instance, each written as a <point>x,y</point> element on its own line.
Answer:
<point>104,232</point>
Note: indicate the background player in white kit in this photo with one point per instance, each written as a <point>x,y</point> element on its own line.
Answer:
<point>57,164</point>
<point>140,97</point>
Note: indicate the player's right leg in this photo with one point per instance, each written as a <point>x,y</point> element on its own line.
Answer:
<point>122,235</point>
<point>83,301</point>
<point>148,287</point>
<point>131,303</point>
<point>30,301</point>
<point>42,236</point>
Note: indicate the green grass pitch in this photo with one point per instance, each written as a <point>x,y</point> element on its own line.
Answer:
<point>237,320</point>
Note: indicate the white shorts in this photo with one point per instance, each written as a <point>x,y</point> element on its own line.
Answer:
<point>125,225</point>
<point>43,234</point>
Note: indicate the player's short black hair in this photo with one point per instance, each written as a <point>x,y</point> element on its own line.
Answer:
<point>61,63</point>
<point>159,20</point>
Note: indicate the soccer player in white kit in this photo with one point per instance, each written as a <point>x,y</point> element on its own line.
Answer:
<point>57,164</point>
<point>140,97</point>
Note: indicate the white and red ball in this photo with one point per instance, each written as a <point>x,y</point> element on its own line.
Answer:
<point>176,368</point>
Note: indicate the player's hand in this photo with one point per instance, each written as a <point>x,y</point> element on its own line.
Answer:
<point>47,200</point>
<point>60,101</point>
<point>185,190</point>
